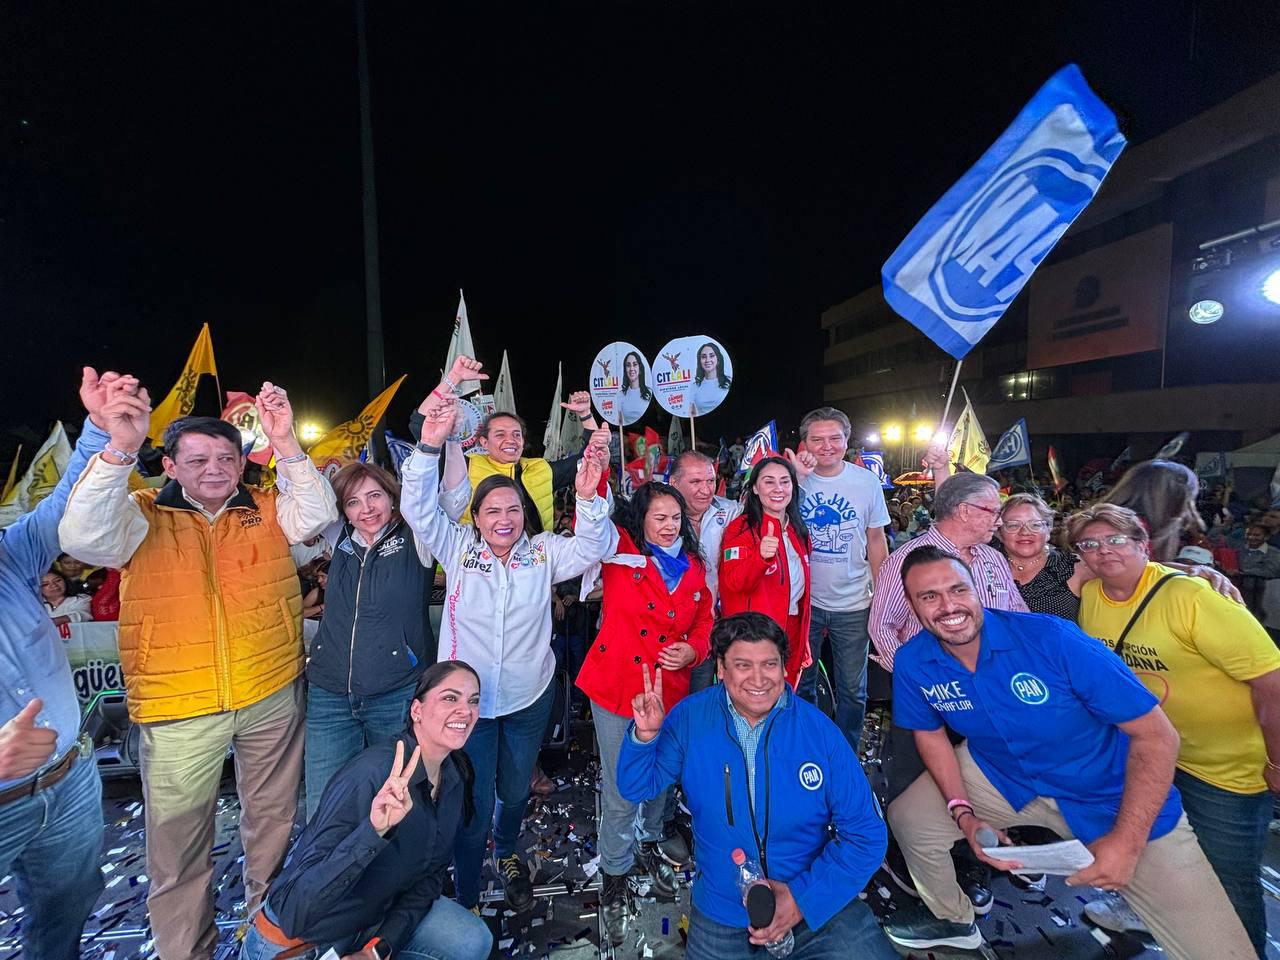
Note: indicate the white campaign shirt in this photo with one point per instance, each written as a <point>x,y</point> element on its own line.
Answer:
<point>711,535</point>
<point>497,617</point>
<point>838,512</point>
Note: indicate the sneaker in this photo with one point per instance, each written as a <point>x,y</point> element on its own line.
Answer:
<point>613,907</point>
<point>514,874</point>
<point>918,929</point>
<point>895,865</point>
<point>673,847</point>
<point>1112,912</point>
<point>973,877</point>
<point>665,885</point>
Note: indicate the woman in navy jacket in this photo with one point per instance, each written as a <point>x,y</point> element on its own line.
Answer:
<point>764,771</point>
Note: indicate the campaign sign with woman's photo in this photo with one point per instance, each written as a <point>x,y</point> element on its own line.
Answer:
<point>692,376</point>
<point>621,383</point>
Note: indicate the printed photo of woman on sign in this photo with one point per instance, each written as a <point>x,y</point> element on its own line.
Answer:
<point>711,382</point>
<point>635,388</point>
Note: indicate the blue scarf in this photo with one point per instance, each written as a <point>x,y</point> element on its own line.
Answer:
<point>671,562</point>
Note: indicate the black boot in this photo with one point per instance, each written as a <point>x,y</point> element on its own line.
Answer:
<point>514,875</point>
<point>665,884</point>
<point>613,907</point>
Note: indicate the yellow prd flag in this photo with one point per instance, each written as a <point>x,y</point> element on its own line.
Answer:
<point>342,444</point>
<point>968,445</point>
<point>182,398</point>
<point>13,475</point>
<point>41,477</point>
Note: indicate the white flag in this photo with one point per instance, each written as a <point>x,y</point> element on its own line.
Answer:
<point>570,434</point>
<point>460,345</point>
<point>675,438</point>
<point>551,439</point>
<point>46,469</point>
<point>504,397</point>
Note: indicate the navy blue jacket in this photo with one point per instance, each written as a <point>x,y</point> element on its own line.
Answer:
<point>342,879</point>
<point>815,825</point>
<point>375,635</point>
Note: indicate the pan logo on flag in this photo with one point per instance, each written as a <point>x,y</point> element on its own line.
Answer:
<point>967,258</point>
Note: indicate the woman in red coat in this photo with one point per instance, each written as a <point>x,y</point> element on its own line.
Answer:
<point>765,561</point>
<point>657,611</point>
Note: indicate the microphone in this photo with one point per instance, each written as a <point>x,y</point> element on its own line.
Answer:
<point>986,837</point>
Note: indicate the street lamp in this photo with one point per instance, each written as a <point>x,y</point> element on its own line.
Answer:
<point>923,432</point>
<point>310,432</point>
<point>873,439</point>
<point>892,433</point>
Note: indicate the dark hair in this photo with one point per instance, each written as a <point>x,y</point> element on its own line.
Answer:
<point>532,519</point>
<point>929,554</point>
<point>644,389</point>
<point>750,626</point>
<point>353,474</point>
<point>209,426</point>
<point>1163,493</point>
<point>630,514</point>
<point>431,678</point>
<point>721,378</point>
<point>487,422</point>
<point>753,509</point>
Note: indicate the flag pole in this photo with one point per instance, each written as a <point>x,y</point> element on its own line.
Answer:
<point>217,382</point>
<point>955,378</point>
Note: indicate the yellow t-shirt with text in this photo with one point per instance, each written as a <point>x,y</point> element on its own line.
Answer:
<point>1195,650</point>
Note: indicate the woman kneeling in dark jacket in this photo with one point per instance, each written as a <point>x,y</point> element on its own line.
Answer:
<point>365,876</point>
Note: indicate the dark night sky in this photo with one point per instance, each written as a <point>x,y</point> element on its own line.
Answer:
<point>587,172</point>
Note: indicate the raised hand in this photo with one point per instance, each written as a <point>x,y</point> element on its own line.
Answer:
<point>393,802</point>
<point>438,412</point>
<point>275,414</point>
<point>647,708</point>
<point>126,414</point>
<point>464,368</point>
<point>579,403</point>
<point>24,747</point>
<point>93,392</point>
<point>803,463</point>
<point>594,462</point>
<point>936,458</point>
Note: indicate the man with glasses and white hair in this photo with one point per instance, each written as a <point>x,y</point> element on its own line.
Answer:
<point>966,515</point>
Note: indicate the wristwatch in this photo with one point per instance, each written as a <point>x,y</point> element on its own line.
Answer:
<point>379,948</point>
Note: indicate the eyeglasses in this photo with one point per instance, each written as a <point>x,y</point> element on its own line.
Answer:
<point>1112,540</point>
<point>1033,526</point>
<point>995,512</point>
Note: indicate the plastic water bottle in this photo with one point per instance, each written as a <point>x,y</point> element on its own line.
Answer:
<point>757,897</point>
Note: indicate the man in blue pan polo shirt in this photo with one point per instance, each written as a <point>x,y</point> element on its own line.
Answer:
<point>1062,735</point>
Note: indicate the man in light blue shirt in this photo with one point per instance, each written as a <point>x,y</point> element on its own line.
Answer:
<point>50,794</point>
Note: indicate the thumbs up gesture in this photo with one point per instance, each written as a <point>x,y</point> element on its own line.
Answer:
<point>24,747</point>
<point>770,542</point>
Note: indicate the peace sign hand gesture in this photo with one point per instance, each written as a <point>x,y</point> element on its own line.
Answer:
<point>647,708</point>
<point>393,802</point>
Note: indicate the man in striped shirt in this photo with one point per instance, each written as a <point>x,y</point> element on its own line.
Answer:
<point>966,512</point>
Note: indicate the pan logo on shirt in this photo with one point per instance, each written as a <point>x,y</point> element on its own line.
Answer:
<point>947,697</point>
<point>810,776</point>
<point>833,524</point>
<point>1029,688</point>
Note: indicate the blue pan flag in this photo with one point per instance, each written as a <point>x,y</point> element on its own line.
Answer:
<point>960,268</point>
<point>1013,449</point>
<point>763,443</point>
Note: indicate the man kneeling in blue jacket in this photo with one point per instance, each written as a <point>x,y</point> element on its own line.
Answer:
<point>767,772</point>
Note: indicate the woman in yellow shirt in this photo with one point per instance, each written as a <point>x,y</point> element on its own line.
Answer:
<point>1217,675</point>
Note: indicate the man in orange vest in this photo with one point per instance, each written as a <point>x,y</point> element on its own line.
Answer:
<point>210,640</point>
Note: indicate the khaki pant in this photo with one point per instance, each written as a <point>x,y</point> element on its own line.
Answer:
<point>1174,890</point>
<point>181,767</point>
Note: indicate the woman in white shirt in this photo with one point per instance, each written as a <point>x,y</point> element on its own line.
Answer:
<point>497,617</point>
<point>62,608</point>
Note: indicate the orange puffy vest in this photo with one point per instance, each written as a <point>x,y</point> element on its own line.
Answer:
<point>210,614</point>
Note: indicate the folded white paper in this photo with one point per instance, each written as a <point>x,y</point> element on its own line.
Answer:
<point>1056,859</point>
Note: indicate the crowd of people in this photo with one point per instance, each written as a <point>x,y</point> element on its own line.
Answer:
<point>1094,671</point>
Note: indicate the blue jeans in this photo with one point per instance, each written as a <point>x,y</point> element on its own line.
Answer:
<point>853,932</point>
<point>623,823</point>
<point>51,843</point>
<point>503,751</point>
<point>849,643</point>
<point>340,725</point>
<point>1232,830</point>
<point>447,932</point>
